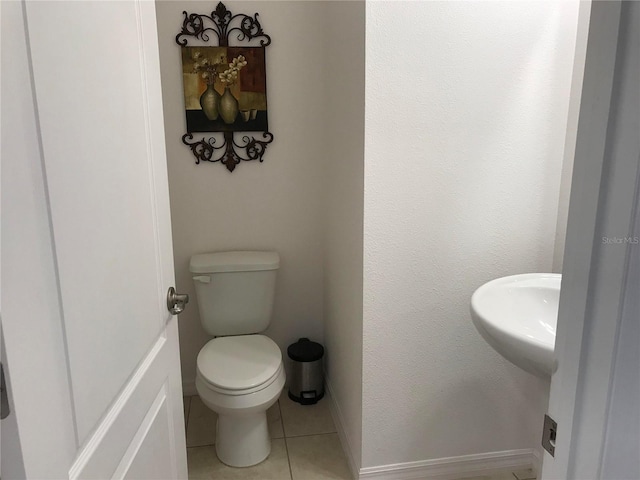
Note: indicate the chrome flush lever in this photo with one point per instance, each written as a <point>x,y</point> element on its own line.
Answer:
<point>176,302</point>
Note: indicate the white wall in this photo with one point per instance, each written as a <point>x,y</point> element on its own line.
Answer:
<point>466,110</point>
<point>275,205</point>
<point>344,196</point>
<point>464,132</point>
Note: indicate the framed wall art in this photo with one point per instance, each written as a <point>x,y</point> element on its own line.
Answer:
<point>225,86</point>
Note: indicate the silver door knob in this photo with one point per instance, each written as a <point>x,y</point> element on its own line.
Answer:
<point>176,302</point>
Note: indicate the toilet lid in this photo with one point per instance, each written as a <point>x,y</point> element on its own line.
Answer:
<point>239,362</point>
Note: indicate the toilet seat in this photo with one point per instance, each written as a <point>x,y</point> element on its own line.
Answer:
<point>239,365</point>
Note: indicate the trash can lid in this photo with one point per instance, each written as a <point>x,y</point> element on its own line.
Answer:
<point>304,350</point>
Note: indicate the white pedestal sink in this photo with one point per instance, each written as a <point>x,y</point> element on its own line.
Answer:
<point>517,316</point>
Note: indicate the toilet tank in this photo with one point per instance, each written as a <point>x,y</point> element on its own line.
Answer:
<point>235,290</point>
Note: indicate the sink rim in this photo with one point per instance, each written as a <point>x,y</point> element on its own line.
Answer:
<point>534,355</point>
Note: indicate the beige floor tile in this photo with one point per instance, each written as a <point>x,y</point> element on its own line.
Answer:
<point>503,476</point>
<point>498,475</point>
<point>525,474</point>
<point>275,421</point>
<point>305,419</point>
<point>484,477</point>
<point>201,427</point>
<point>203,464</point>
<point>317,457</point>
<point>186,402</point>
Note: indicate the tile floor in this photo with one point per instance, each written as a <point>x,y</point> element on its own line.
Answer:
<point>305,446</point>
<point>520,474</point>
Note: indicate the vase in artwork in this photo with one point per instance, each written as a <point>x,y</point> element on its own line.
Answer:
<point>209,102</point>
<point>228,106</point>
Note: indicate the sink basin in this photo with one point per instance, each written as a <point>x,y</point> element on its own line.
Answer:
<point>517,316</point>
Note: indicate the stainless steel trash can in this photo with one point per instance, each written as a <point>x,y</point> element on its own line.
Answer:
<point>306,385</point>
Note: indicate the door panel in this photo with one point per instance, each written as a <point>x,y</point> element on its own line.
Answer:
<point>118,437</point>
<point>95,131</point>
<point>100,178</point>
<point>151,458</point>
<point>31,317</point>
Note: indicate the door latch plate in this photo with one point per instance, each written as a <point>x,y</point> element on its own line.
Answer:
<point>549,435</point>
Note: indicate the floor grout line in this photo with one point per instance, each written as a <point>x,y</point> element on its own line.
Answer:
<point>311,435</point>
<point>202,446</point>
<point>186,420</point>
<point>286,446</point>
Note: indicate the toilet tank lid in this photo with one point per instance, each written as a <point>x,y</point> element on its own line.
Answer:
<point>234,262</point>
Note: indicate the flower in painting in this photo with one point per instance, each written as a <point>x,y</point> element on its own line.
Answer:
<point>207,67</point>
<point>230,75</point>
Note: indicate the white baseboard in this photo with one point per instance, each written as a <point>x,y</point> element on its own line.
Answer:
<point>452,467</point>
<point>338,419</point>
<point>189,387</point>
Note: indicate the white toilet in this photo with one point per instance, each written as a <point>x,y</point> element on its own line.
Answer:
<point>240,373</point>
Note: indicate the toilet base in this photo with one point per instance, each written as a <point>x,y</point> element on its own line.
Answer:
<point>242,440</point>
<point>242,434</point>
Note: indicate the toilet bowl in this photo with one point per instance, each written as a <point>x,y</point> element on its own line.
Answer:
<point>240,372</point>
<point>239,378</point>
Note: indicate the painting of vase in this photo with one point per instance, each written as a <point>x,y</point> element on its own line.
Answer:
<point>222,84</point>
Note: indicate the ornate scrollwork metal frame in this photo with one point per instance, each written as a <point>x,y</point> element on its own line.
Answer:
<point>223,24</point>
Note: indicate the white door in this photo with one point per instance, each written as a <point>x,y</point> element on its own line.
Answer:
<point>86,243</point>
<point>595,391</point>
